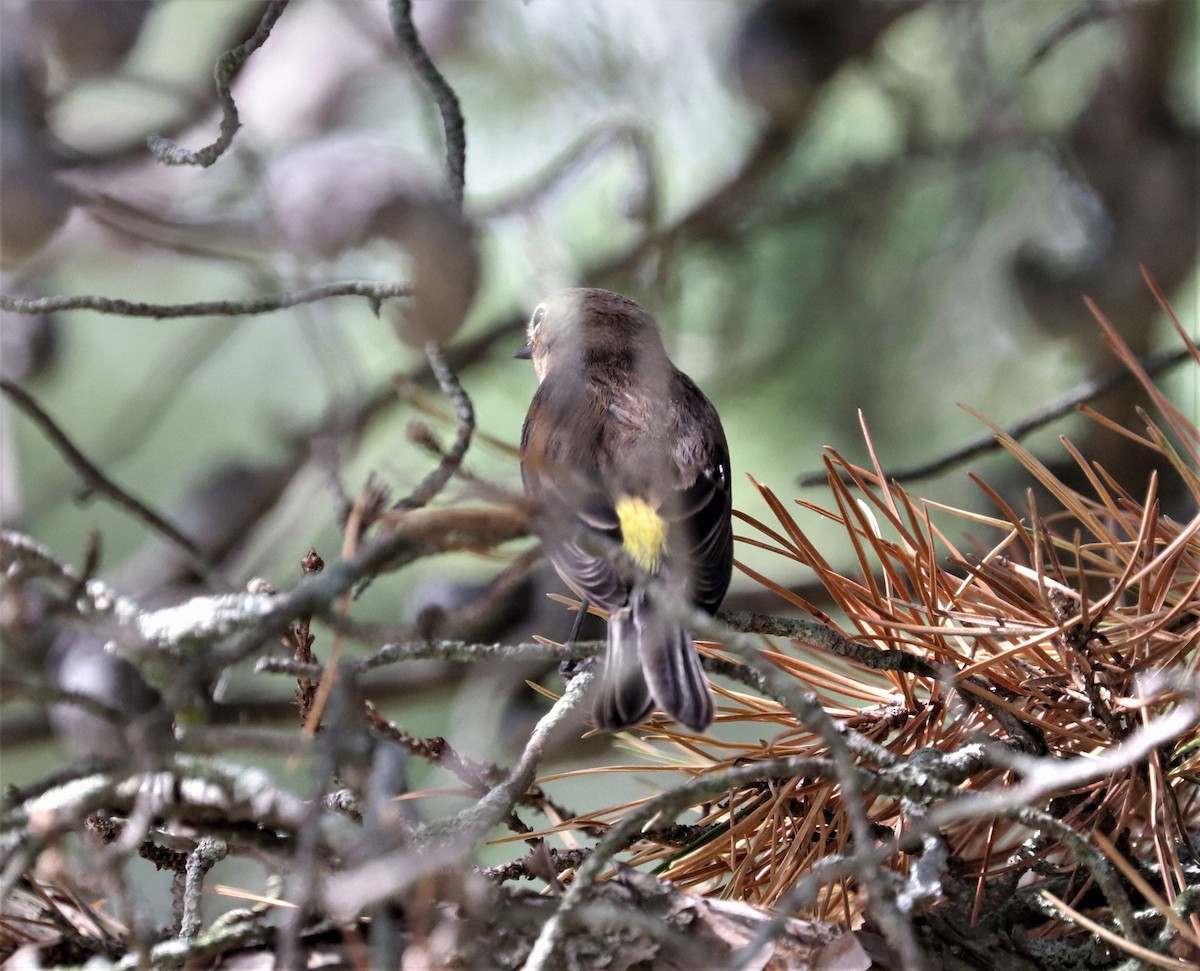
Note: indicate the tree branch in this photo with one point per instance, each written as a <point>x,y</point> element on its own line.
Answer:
<point>443,95</point>
<point>375,292</point>
<point>97,481</point>
<point>1079,395</point>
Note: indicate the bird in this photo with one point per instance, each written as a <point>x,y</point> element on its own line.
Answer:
<point>619,442</point>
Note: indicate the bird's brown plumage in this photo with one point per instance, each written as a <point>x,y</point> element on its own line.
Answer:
<point>613,420</point>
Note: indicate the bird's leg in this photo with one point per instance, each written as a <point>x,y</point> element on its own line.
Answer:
<point>578,624</point>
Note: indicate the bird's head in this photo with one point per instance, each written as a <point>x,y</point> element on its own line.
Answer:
<point>582,327</point>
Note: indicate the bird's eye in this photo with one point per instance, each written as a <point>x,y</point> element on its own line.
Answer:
<point>536,320</point>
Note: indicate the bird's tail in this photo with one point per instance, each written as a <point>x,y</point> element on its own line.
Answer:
<point>651,660</point>
<point>624,698</point>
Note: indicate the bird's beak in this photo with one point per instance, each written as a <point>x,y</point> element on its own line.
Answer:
<point>525,352</point>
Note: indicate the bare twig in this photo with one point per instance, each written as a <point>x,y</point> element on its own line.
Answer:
<point>375,292</point>
<point>228,64</point>
<point>1079,395</point>
<point>436,480</point>
<point>714,214</point>
<point>1087,12</point>
<point>825,637</point>
<point>591,144</point>
<point>665,806</point>
<point>441,92</point>
<point>533,866</point>
<point>208,852</point>
<point>97,481</point>
<point>265,616</point>
<point>301,639</point>
<point>478,776</point>
<point>446,842</point>
<point>189,789</point>
<point>32,559</point>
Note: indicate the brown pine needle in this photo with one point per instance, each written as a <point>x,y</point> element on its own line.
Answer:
<point>1062,629</point>
<point>1134,950</point>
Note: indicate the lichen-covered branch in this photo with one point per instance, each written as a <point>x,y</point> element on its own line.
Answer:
<point>374,292</point>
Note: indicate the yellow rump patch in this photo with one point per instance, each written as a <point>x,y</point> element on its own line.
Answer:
<point>643,532</point>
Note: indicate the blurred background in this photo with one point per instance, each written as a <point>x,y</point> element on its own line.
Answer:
<point>832,207</point>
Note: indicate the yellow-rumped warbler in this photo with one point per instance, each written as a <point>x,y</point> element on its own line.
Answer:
<point>618,440</point>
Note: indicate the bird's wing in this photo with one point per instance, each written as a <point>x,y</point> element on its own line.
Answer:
<point>702,513</point>
<point>560,470</point>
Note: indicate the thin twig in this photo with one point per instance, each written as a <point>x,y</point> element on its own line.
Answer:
<point>664,806</point>
<point>436,480</point>
<point>478,776</point>
<point>375,292</point>
<point>532,866</point>
<point>592,144</point>
<point>228,64</point>
<point>97,481</point>
<point>825,637</point>
<point>714,214</point>
<point>445,843</point>
<point>443,95</point>
<point>32,559</point>
<point>208,852</point>
<point>264,616</point>
<point>302,640</point>
<point>1079,395</point>
<point>1087,12</point>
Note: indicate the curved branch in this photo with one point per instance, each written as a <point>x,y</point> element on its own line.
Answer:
<point>586,148</point>
<point>441,92</point>
<point>170,153</point>
<point>1072,22</point>
<point>825,637</point>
